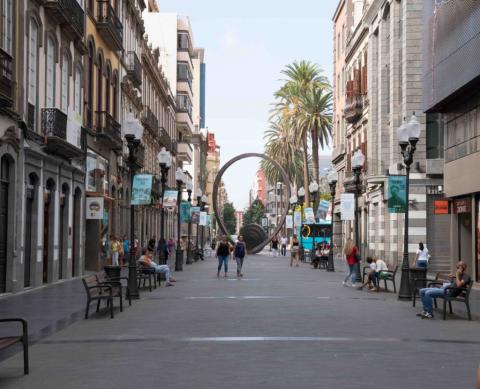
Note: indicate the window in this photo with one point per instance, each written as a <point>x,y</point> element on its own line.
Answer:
<point>7,30</point>
<point>107,90</point>
<point>50,101</point>
<point>183,71</point>
<point>184,104</point>
<point>183,43</point>
<point>90,81</point>
<point>434,136</point>
<point>65,82</point>
<point>32,62</point>
<point>99,85</point>
<point>97,173</point>
<point>78,90</point>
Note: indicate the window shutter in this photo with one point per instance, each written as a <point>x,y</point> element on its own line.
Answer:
<point>364,80</point>
<point>32,64</point>
<point>50,74</point>
<point>356,82</point>
<point>65,84</point>
<point>77,91</point>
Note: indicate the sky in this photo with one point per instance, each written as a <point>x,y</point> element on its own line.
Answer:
<point>247,44</point>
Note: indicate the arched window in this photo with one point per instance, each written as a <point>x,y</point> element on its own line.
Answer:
<point>77,104</point>
<point>90,81</point>
<point>65,82</point>
<point>50,97</point>
<point>108,85</point>
<point>99,84</point>
<point>115,96</point>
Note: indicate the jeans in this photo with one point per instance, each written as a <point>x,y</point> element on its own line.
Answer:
<point>284,250</point>
<point>162,269</point>
<point>427,295</point>
<point>239,264</point>
<point>223,259</point>
<point>422,264</point>
<point>115,258</point>
<point>374,278</point>
<point>351,273</point>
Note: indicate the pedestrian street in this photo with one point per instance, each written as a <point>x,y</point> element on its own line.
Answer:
<point>277,327</point>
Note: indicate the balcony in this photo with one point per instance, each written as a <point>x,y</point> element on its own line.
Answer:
<point>165,139</point>
<point>67,13</point>
<point>108,128</point>
<point>54,129</point>
<point>134,68</point>
<point>109,26</point>
<point>184,152</point>
<point>354,109</point>
<point>338,153</point>
<point>6,81</point>
<point>149,120</point>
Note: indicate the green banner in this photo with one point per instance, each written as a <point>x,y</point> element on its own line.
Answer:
<point>185,212</point>
<point>397,194</point>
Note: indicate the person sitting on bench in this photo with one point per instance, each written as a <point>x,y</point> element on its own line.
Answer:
<point>371,276</point>
<point>147,261</point>
<point>458,281</point>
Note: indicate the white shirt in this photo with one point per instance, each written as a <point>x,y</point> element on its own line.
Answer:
<point>283,241</point>
<point>422,254</point>
<point>373,266</point>
<point>380,265</point>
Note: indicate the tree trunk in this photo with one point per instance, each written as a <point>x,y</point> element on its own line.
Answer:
<point>306,180</point>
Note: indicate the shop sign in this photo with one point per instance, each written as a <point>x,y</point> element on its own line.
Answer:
<point>95,207</point>
<point>462,205</point>
<point>441,207</point>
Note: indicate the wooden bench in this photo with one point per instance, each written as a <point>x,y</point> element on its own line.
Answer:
<point>9,341</point>
<point>98,292</point>
<point>117,287</point>
<point>145,273</point>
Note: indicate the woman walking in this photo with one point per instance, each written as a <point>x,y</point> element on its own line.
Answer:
<point>294,248</point>
<point>223,252</point>
<point>275,246</point>
<point>239,253</point>
<point>350,252</point>
<point>422,256</point>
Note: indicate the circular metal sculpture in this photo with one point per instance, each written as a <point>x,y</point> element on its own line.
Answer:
<point>254,231</point>
<point>254,236</point>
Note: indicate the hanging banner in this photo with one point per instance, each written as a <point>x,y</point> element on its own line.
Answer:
<point>209,220</point>
<point>309,216</point>
<point>347,206</point>
<point>297,218</point>
<point>397,194</point>
<point>170,199</point>
<point>203,219</point>
<point>142,189</point>
<point>185,212</point>
<point>322,210</point>
<point>195,214</point>
<point>289,221</point>
<point>94,208</point>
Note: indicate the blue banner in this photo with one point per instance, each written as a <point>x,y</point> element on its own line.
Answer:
<point>185,212</point>
<point>142,189</point>
<point>397,194</point>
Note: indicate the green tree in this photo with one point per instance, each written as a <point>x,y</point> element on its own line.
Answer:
<point>229,218</point>
<point>254,213</point>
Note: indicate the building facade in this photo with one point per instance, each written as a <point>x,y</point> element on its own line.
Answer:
<point>451,75</point>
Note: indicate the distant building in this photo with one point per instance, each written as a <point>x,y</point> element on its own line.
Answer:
<point>261,185</point>
<point>239,218</point>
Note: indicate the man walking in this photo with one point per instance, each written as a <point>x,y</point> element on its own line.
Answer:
<point>283,245</point>
<point>239,253</point>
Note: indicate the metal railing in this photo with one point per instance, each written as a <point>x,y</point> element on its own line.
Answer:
<point>54,123</point>
<point>134,68</point>
<point>106,125</point>
<point>6,82</point>
<point>149,119</point>
<point>107,18</point>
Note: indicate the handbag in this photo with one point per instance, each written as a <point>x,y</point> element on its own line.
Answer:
<point>358,258</point>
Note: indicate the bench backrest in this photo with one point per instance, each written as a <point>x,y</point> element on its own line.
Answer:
<point>90,281</point>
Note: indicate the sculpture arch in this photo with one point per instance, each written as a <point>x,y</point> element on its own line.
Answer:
<point>218,180</point>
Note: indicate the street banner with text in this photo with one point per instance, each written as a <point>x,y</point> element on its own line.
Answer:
<point>142,189</point>
<point>195,214</point>
<point>347,206</point>
<point>309,216</point>
<point>203,219</point>
<point>170,199</point>
<point>185,212</point>
<point>297,218</point>
<point>397,194</point>
<point>322,211</point>
<point>289,221</point>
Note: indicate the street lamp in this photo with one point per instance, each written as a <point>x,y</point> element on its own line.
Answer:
<point>133,135</point>
<point>301,195</point>
<point>199,204</point>
<point>332,178</point>
<point>189,186</point>
<point>408,135</point>
<point>203,209</point>
<point>180,178</point>
<point>313,189</point>
<point>293,202</point>
<point>357,165</point>
<point>165,161</point>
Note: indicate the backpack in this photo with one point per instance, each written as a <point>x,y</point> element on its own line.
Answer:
<point>239,250</point>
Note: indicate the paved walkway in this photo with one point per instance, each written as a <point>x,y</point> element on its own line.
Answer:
<point>279,327</point>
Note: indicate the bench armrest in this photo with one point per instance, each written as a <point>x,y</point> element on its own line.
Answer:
<point>435,283</point>
<point>102,286</point>
<point>19,320</point>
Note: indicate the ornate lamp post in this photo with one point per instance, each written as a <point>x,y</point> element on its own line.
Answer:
<point>408,135</point>
<point>313,189</point>
<point>357,165</point>
<point>203,209</point>
<point>301,196</point>
<point>199,204</point>
<point>189,187</point>
<point>180,178</point>
<point>332,178</point>
<point>165,161</point>
<point>133,135</point>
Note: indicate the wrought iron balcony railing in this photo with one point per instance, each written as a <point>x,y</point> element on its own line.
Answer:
<point>107,127</point>
<point>6,81</point>
<point>353,109</point>
<point>69,14</point>
<point>134,68</point>
<point>149,119</point>
<point>165,139</point>
<point>109,25</point>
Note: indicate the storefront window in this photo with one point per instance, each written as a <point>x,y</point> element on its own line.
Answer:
<point>97,173</point>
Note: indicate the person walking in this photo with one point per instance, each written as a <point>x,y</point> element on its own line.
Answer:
<point>350,252</point>
<point>294,249</point>
<point>239,252</point>
<point>422,257</point>
<point>126,250</point>
<point>275,246</point>
<point>283,245</point>
<point>222,253</point>
<point>115,248</point>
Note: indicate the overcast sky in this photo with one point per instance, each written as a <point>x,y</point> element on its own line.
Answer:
<point>247,44</point>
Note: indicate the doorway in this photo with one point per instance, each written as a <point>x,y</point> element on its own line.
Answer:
<point>63,233</point>
<point>48,209</point>
<point>30,191</point>
<point>4,214</point>
<point>465,239</point>
<point>76,230</point>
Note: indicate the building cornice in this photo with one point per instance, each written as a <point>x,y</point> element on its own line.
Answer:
<point>336,14</point>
